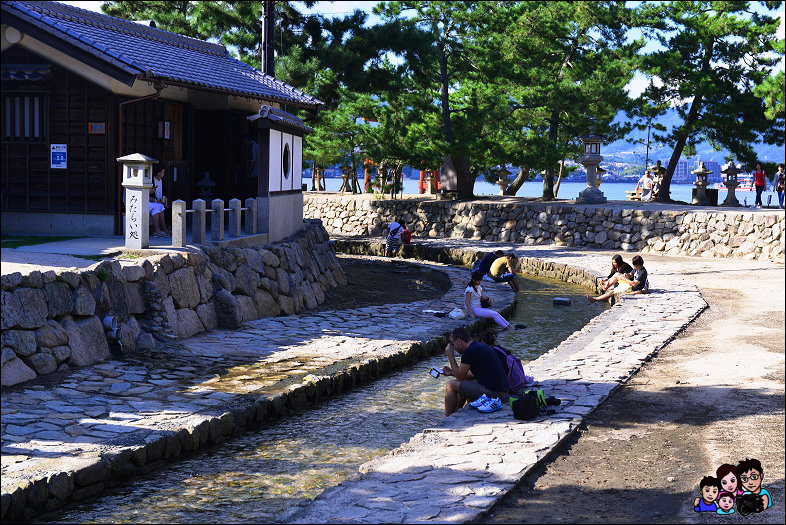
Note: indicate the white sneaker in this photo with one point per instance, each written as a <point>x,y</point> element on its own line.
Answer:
<point>492,405</point>
<point>482,400</point>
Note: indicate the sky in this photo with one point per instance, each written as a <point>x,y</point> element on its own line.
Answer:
<point>342,8</point>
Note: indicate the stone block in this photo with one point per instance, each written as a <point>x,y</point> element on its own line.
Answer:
<point>228,311</point>
<point>135,300</point>
<point>266,305</point>
<point>248,309</point>
<point>84,302</point>
<point>118,303</point>
<point>51,334</point>
<point>145,341</point>
<point>129,333</point>
<point>133,272</point>
<point>286,304</point>
<point>11,280</point>
<point>188,323</point>
<point>184,288</point>
<point>87,341</point>
<point>23,342</point>
<point>42,363</point>
<point>34,279</point>
<point>246,281</point>
<point>61,353</point>
<point>282,279</point>
<point>69,277</point>
<point>14,370</point>
<point>207,315</point>
<point>170,313</point>
<point>32,307</point>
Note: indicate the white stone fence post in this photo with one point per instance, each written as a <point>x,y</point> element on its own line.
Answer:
<point>199,220</point>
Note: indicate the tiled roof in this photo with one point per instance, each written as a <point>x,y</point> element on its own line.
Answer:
<point>281,119</point>
<point>140,50</point>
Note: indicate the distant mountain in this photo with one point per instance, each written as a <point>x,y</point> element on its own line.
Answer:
<point>626,151</point>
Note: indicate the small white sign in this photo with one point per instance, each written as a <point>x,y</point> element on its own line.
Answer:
<point>58,156</point>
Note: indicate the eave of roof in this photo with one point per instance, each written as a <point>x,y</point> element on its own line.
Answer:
<point>34,18</point>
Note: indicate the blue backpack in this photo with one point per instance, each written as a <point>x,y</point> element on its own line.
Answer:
<point>517,379</point>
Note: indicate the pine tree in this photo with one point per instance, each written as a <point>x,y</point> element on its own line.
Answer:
<point>711,60</point>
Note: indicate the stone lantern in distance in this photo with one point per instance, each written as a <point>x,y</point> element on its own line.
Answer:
<point>591,159</point>
<point>502,174</point>
<point>731,182</point>
<point>700,195</point>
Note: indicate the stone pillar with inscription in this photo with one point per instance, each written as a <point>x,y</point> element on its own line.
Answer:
<point>137,182</point>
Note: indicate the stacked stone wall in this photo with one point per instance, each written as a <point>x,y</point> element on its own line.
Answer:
<point>53,320</point>
<point>683,231</point>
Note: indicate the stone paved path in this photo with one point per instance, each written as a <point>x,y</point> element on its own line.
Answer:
<point>84,417</point>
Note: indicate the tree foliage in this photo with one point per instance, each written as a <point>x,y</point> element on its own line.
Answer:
<point>712,58</point>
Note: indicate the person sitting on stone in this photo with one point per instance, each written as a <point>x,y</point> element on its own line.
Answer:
<point>484,261</point>
<point>635,282</point>
<point>503,270</point>
<point>618,267</point>
<point>481,372</point>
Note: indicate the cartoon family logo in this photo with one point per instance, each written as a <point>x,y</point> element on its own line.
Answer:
<point>732,486</point>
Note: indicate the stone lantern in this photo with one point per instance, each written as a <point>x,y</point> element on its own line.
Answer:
<point>502,178</point>
<point>731,171</point>
<point>591,159</point>
<point>137,181</point>
<point>700,195</point>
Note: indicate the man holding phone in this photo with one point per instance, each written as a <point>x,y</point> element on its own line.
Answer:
<point>481,372</point>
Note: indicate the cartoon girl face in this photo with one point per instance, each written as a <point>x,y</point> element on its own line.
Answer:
<point>725,502</point>
<point>729,483</point>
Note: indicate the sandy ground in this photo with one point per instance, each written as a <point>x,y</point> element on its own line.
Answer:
<point>714,395</point>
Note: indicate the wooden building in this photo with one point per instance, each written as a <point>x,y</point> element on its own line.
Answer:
<point>80,89</point>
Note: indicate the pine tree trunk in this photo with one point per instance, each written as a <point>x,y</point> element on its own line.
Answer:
<point>664,195</point>
<point>518,182</point>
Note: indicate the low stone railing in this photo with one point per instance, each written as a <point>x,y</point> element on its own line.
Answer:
<point>199,213</point>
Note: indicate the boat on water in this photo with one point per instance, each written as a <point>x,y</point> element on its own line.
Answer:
<point>746,184</point>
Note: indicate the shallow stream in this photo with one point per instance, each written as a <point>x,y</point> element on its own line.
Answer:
<point>260,475</point>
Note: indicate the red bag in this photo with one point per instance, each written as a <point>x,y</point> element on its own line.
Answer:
<point>406,236</point>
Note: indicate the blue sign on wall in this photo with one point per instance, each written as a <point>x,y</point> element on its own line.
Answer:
<point>58,157</point>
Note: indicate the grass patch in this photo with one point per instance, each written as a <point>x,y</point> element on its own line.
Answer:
<point>15,241</point>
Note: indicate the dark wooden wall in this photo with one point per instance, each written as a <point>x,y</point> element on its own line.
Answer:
<point>26,180</point>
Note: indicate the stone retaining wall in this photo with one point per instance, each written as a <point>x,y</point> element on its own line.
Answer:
<point>683,231</point>
<point>52,321</point>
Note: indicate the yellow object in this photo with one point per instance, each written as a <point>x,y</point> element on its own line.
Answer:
<point>498,267</point>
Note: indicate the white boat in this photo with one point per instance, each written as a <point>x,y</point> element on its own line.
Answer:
<point>746,184</point>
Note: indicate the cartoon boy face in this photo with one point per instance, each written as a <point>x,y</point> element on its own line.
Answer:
<point>751,480</point>
<point>725,502</point>
<point>709,493</point>
<point>729,483</point>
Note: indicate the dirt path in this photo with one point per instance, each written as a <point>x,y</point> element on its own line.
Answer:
<point>714,395</point>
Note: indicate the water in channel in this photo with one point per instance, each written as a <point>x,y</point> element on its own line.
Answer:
<point>260,475</point>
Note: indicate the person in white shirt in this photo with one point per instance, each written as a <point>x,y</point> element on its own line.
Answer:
<point>472,300</point>
<point>646,186</point>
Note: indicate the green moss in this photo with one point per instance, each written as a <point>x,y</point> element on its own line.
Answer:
<point>15,241</point>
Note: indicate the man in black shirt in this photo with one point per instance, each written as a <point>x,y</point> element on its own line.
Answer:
<point>481,372</point>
